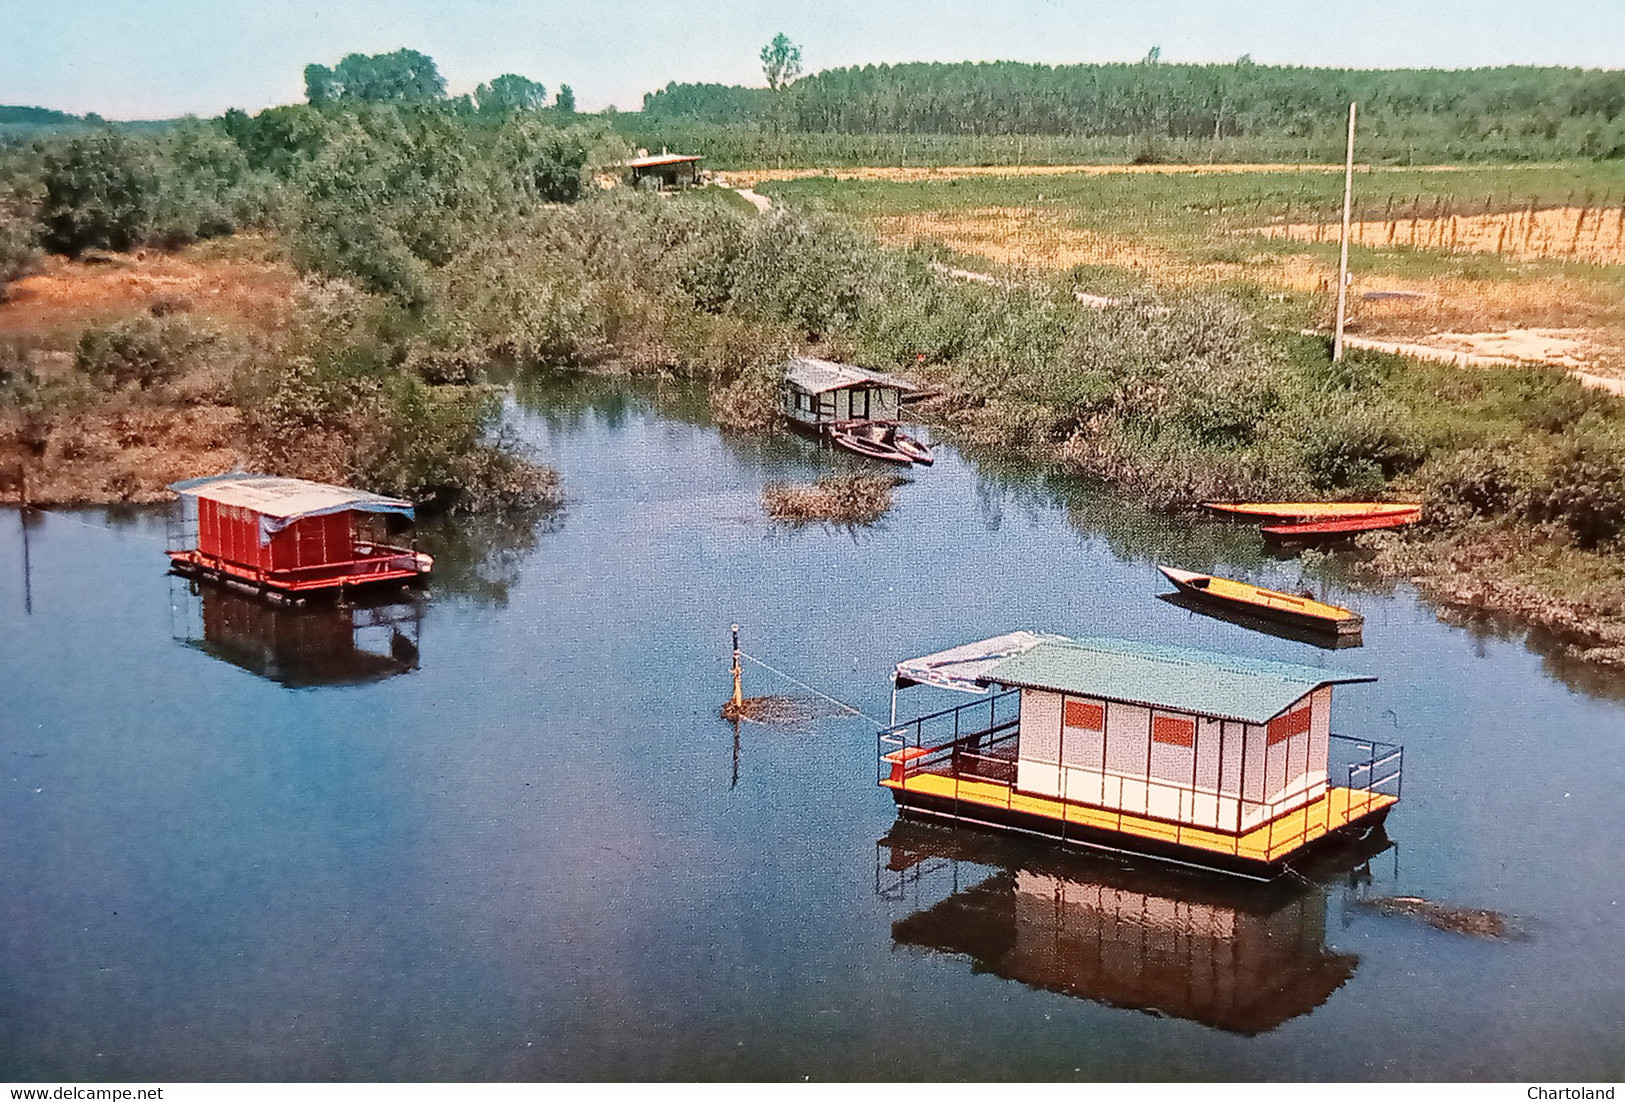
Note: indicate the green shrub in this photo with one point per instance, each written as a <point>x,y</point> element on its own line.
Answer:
<point>99,192</point>
<point>1585,484</point>
<point>18,233</point>
<point>1345,445</point>
<point>145,351</point>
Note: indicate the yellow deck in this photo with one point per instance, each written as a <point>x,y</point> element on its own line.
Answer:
<point>1275,840</point>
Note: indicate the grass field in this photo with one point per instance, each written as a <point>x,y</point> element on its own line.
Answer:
<point>1499,263</point>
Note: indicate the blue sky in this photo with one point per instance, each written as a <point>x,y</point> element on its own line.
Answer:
<point>158,58</point>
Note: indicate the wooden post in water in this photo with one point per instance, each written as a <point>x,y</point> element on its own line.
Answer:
<point>1343,262</point>
<point>739,691</point>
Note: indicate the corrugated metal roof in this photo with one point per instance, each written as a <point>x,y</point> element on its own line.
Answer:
<point>281,501</point>
<point>1182,679</point>
<point>821,376</point>
<point>656,159</point>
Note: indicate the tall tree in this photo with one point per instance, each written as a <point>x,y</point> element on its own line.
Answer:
<point>565,101</point>
<point>781,62</point>
<point>509,92</point>
<point>404,76</point>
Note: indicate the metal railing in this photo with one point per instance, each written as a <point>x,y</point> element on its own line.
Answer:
<point>955,738</point>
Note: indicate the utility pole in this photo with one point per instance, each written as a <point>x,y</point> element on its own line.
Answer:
<point>739,694</point>
<point>1343,263</point>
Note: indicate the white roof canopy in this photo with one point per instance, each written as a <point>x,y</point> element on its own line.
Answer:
<point>281,501</point>
<point>959,667</point>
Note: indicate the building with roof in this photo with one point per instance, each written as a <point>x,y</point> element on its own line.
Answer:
<point>665,170</point>
<point>287,537</point>
<point>1182,753</point>
<point>819,393</point>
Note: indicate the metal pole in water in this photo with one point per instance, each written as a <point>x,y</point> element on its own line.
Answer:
<point>739,693</point>
<point>1343,263</point>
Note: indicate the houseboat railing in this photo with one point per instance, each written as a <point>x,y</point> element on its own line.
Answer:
<point>974,744</point>
<point>378,559</point>
<point>932,740</point>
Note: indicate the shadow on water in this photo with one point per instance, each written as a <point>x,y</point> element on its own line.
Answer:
<point>1560,658</point>
<point>322,643</point>
<point>1325,640</point>
<point>1233,955</point>
<point>481,556</point>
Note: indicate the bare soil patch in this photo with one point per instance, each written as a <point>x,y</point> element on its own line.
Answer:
<point>244,284</point>
<point>1594,235</point>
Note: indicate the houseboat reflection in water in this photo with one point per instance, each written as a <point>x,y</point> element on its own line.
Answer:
<point>1237,956</point>
<point>337,643</point>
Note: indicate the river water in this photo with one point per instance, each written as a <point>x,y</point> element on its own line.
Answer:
<point>504,835</point>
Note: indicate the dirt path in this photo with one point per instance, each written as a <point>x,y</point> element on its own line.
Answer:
<point>1567,349</point>
<point>761,202</point>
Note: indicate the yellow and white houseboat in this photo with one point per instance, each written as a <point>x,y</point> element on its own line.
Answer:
<point>1181,754</point>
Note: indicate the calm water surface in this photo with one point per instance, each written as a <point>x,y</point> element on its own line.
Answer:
<point>505,836</point>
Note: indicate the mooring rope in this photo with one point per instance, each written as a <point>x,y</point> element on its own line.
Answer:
<point>843,705</point>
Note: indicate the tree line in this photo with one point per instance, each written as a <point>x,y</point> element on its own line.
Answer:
<point>1499,110</point>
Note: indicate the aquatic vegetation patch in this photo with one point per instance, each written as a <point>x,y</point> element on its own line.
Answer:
<point>837,499</point>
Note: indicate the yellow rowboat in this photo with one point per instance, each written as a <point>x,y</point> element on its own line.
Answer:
<point>1286,607</point>
<point>1301,511</point>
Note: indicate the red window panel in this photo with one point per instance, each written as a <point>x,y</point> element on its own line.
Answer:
<point>1173,731</point>
<point>1081,713</point>
<point>1284,727</point>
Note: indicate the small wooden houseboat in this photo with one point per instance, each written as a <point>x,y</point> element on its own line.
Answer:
<point>852,408</point>
<point>287,538</point>
<point>1181,754</point>
<point>1287,607</point>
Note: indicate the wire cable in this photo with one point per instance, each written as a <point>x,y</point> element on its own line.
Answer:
<point>843,705</point>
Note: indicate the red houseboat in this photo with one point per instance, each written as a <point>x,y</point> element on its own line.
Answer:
<point>289,539</point>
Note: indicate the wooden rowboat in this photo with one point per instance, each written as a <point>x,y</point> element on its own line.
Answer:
<point>1286,607</point>
<point>1310,531</point>
<point>882,441</point>
<point>1306,511</point>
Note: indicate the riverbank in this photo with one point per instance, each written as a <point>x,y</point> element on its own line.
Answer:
<point>1171,398</point>
<point>123,372</point>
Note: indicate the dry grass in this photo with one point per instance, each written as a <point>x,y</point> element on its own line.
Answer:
<point>1553,317</point>
<point>1472,921</point>
<point>241,286</point>
<point>128,445</point>
<point>1021,236</point>
<point>114,455</point>
<point>1594,235</point>
<point>838,499</point>
<point>781,711</point>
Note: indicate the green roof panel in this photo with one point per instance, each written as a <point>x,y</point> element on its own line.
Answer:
<point>1181,679</point>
